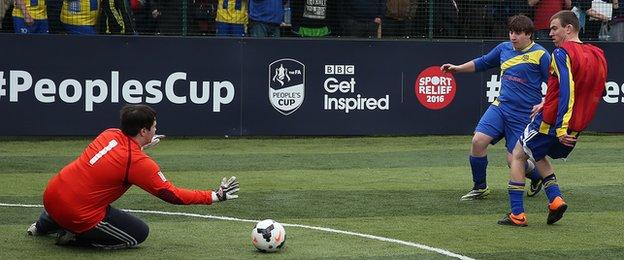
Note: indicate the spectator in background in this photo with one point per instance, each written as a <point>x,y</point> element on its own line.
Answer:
<point>156,14</point>
<point>4,6</point>
<point>30,16</point>
<point>480,19</point>
<point>617,23</point>
<point>168,17</point>
<point>144,20</point>
<point>590,21</point>
<point>395,21</point>
<point>313,18</point>
<point>204,13</point>
<point>80,16</point>
<point>597,22</point>
<point>446,20</point>
<point>54,15</point>
<point>362,18</point>
<point>265,16</point>
<point>504,9</point>
<point>116,18</point>
<point>232,17</point>
<point>543,10</point>
<point>416,24</point>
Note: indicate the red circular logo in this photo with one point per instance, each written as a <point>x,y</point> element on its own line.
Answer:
<point>434,88</point>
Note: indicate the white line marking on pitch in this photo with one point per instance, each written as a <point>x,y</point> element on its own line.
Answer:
<point>331,230</point>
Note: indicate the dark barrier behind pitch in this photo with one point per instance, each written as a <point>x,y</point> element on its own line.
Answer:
<point>213,86</point>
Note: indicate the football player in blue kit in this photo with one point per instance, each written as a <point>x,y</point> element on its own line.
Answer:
<point>524,66</point>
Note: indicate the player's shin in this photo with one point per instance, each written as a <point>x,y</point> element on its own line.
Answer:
<point>556,205</point>
<point>530,171</point>
<point>516,196</point>
<point>479,166</point>
<point>516,186</point>
<point>551,187</point>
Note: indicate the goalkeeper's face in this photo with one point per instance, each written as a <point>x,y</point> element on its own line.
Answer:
<point>520,40</point>
<point>148,134</point>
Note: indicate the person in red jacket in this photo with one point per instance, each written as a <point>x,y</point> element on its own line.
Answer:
<point>543,11</point>
<point>578,72</point>
<point>77,199</point>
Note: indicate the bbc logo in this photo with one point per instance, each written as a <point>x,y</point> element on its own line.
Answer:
<point>339,69</point>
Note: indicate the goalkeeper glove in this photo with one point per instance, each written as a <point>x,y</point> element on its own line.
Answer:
<point>227,190</point>
<point>154,142</point>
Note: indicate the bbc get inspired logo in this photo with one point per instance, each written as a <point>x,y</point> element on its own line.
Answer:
<point>435,89</point>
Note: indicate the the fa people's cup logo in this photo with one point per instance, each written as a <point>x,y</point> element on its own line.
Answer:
<point>286,85</point>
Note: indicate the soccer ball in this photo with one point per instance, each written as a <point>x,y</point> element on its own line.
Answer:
<point>268,236</point>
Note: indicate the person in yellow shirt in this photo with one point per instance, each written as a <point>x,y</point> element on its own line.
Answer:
<point>30,16</point>
<point>231,17</point>
<point>80,16</point>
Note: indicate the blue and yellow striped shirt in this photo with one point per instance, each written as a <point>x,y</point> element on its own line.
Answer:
<point>522,74</point>
<point>36,8</point>
<point>80,12</point>
<point>232,11</point>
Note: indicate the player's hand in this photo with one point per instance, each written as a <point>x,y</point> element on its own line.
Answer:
<point>155,13</point>
<point>536,109</point>
<point>448,68</point>
<point>228,189</point>
<point>568,140</point>
<point>28,19</point>
<point>154,142</point>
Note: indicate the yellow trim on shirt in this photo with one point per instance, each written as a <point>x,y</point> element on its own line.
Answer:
<point>529,57</point>
<point>568,115</point>
<point>544,128</point>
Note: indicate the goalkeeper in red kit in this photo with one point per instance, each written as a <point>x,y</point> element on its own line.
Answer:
<point>578,72</point>
<point>77,199</point>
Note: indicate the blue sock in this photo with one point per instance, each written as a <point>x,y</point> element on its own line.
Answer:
<point>551,187</point>
<point>479,165</point>
<point>535,175</point>
<point>516,197</point>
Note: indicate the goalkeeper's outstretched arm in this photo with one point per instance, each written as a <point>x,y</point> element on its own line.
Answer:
<point>151,179</point>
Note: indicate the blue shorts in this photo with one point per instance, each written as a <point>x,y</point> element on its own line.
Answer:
<point>39,26</point>
<point>498,123</point>
<point>228,29</point>
<point>80,29</point>
<point>537,145</point>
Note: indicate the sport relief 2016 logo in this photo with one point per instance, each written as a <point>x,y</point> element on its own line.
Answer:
<point>435,89</point>
<point>286,85</point>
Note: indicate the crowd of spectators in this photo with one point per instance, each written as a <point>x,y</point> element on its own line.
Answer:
<point>474,19</point>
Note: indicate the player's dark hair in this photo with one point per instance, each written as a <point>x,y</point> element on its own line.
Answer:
<point>136,117</point>
<point>567,18</point>
<point>521,23</point>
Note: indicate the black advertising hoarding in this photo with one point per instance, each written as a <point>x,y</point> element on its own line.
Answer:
<point>609,113</point>
<point>353,87</point>
<point>72,85</point>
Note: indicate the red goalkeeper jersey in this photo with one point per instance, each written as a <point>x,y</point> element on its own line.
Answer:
<point>575,87</point>
<point>78,196</point>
